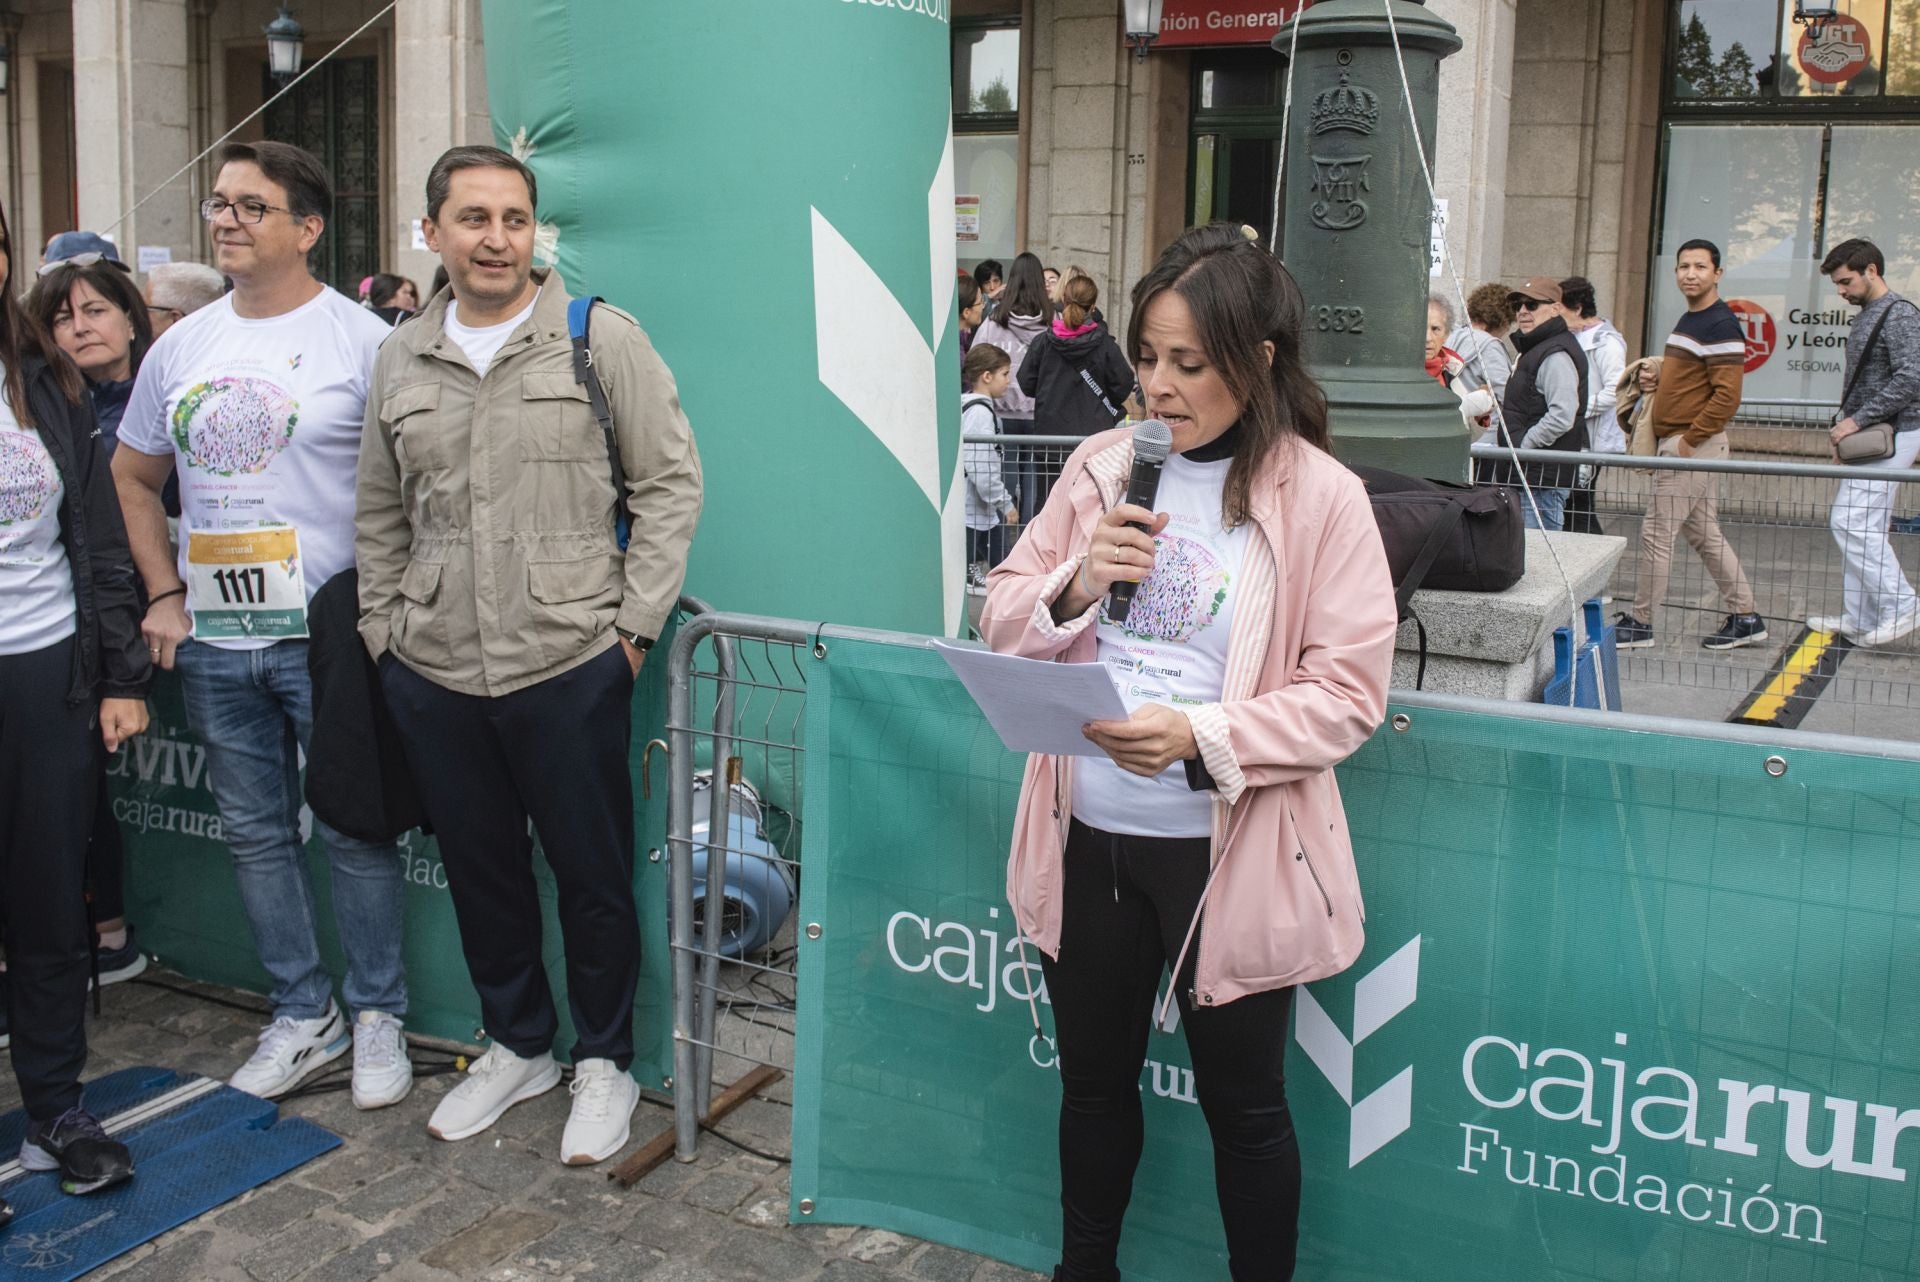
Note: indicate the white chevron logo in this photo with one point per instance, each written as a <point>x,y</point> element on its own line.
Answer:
<point>1380,995</point>
<point>878,360</point>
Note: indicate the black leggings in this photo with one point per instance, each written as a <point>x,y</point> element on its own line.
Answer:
<point>1126,906</point>
<point>49,769</point>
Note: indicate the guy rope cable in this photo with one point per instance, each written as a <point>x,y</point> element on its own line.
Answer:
<point>1286,115</point>
<point>312,67</point>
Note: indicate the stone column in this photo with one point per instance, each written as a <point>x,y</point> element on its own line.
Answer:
<point>131,127</point>
<point>1470,160</point>
<point>1087,102</point>
<point>440,101</point>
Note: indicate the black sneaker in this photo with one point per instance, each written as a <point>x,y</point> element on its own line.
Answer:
<point>1738,630</point>
<point>120,963</point>
<point>74,1145</point>
<point>1631,634</point>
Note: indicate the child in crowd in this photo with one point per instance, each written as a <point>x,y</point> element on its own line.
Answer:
<point>990,508</point>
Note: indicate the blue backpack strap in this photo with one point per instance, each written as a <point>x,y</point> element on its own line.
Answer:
<point>579,313</point>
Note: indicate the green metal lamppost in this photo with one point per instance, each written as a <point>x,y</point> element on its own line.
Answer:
<point>1358,229</point>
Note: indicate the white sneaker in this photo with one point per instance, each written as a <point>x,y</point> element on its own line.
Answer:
<point>382,1073</point>
<point>1831,624</point>
<point>1890,631</point>
<point>495,1082</point>
<point>290,1051</point>
<point>604,1098</point>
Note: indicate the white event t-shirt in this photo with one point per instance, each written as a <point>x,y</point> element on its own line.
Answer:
<point>36,582</point>
<point>483,344</point>
<point>1171,650</point>
<point>263,420</point>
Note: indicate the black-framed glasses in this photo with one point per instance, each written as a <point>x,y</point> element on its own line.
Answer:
<point>246,212</point>
<point>155,311</point>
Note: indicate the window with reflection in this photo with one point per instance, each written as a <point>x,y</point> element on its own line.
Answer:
<point>1723,48</point>
<point>986,71</point>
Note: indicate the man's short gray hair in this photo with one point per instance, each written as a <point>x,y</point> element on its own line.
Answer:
<point>184,287</point>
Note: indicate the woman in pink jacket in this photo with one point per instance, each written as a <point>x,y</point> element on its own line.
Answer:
<point>1209,837</point>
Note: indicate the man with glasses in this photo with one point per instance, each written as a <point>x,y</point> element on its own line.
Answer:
<point>1695,389</point>
<point>178,290</point>
<point>1545,395</point>
<point>257,401</point>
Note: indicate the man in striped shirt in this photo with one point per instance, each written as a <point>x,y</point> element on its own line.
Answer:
<point>1696,390</point>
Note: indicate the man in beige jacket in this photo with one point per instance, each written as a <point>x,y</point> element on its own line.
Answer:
<point>509,626</point>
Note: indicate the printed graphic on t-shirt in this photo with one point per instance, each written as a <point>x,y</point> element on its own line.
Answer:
<point>28,478</point>
<point>234,426</point>
<point>1183,595</point>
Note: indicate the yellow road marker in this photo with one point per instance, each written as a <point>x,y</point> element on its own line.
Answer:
<point>1768,702</point>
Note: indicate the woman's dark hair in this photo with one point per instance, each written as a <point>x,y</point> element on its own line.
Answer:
<point>1026,291</point>
<point>1241,297</point>
<point>1577,292</point>
<point>21,338</point>
<point>982,360</point>
<point>1078,294</point>
<point>53,293</point>
<point>385,286</point>
<point>1487,305</point>
<point>969,293</point>
<point>986,270</point>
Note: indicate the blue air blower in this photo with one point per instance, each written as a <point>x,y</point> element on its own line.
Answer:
<point>760,888</point>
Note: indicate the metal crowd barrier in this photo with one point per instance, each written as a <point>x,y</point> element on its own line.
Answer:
<point>736,698</point>
<point>1774,511</point>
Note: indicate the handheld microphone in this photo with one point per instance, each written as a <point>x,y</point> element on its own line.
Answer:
<point>1152,442</point>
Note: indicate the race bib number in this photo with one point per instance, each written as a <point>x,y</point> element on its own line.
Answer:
<point>246,584</point>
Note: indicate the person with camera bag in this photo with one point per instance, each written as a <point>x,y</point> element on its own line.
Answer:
<point>1879,427</point>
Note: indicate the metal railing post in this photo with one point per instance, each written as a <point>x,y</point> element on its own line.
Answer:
<point>680,743</point>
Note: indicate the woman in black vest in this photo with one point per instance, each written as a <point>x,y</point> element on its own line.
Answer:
<point>1545,404</point>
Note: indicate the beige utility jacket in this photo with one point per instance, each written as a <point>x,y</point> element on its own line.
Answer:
<point>484,531</point>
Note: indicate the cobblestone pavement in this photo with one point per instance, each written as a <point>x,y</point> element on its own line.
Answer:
<point>394,1203</point>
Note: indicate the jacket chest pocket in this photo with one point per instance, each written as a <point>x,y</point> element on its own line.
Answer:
<point>556,420</point>
<point>419,437</point>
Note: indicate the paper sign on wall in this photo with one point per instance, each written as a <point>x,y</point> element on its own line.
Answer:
<point>966,218</point>
<point>152,256</point>
<point>1437,247</point>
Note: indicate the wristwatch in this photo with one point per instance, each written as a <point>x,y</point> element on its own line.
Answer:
<point>634,639</point>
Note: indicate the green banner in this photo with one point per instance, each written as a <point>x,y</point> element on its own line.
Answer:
<point>1632,1006</point>
<point>768,186</point>
<point>182,897</point>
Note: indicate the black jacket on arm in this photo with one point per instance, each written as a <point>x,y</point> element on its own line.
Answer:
<point>1079,385</point>
<point>110,658</point>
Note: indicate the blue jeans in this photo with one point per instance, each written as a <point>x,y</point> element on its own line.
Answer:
<point>1553,509</point>
<point>250,707</point>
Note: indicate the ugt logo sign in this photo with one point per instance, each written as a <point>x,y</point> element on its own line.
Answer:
<point>1382,993</point>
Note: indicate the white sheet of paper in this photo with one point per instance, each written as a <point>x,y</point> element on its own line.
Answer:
<point>1036,705</point>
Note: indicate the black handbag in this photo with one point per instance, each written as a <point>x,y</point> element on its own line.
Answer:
<point>1461,538</point>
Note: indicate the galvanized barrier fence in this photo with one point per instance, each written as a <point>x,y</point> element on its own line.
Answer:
<point>1775,506</point>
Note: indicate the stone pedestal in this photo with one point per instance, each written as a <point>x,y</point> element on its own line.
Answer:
<point>1499,645</point>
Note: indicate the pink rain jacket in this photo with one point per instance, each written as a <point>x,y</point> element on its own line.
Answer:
<point>1308,658</point>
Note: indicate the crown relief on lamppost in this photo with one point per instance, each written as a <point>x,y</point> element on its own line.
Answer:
<point>1340,176</point>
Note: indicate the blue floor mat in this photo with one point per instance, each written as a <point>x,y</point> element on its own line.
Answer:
<point>199,1144</point>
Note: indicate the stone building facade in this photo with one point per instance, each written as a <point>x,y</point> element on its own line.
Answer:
<point>1582,137</point>
<point>404,86</point>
